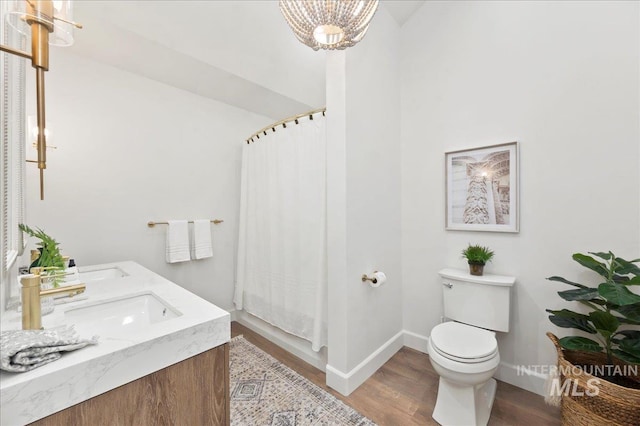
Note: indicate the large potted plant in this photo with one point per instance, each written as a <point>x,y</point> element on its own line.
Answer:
<point>477,256</point>
<point>605,389</point>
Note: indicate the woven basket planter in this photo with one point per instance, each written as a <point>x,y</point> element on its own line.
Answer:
<point>613,405</point>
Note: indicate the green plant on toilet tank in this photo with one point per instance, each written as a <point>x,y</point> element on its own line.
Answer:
<point>50,259</point>
<point>477,256</point>
<point>614,310</point>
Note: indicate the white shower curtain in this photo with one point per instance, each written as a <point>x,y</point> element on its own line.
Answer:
<point>281,276</point>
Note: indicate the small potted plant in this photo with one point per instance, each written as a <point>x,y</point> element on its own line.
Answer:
<point>477,256</point>
<point>50,260</point>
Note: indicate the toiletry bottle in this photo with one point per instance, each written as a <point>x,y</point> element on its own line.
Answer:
<point>35,258</point>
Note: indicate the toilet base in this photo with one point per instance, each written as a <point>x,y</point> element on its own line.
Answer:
<point>464,405</point>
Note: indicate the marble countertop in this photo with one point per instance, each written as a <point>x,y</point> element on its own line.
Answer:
<point>114,361</point>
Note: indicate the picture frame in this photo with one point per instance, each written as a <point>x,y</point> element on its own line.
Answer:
<point>482,189</point>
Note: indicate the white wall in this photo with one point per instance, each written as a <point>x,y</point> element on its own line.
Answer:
<point>562,79</point>
<point>363,119</point>
<point>131,150</point>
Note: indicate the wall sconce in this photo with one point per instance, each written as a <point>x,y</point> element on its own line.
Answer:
<point>45,21</point>
<point>32,132</point>
<point>329,24</point>
<point>63,27</point>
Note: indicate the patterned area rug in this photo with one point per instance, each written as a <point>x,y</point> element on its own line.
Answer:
<point>266,392</point>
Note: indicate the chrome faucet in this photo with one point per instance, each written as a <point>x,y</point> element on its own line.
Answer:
<point>31,293</point>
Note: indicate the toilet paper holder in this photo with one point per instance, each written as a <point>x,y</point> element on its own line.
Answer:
<point>366,278</point>
<point>376,279</point>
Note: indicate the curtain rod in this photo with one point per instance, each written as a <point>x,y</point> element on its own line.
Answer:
<point>284,123</point>
<point>151,223</point>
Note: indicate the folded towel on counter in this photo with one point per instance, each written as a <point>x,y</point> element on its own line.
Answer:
<point>201,248</point>
<point>24,350</point>
<point>178,241</point>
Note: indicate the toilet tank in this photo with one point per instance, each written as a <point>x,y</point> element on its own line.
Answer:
<point>482,301</point>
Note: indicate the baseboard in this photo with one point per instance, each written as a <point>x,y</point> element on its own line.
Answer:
<point>517,376</point>
<point>415,341</point>
<point>233,314</point>
<point>521,377</point>
<point>345,383</point>
<point>292,344</point>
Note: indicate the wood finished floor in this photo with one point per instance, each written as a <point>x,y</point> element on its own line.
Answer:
<point>403,392</point>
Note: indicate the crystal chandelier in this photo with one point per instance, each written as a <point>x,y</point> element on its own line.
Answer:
<point>329,24</point>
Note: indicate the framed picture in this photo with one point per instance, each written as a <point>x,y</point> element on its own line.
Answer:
<point>482,189</point>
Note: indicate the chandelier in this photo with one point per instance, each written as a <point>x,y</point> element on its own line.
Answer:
<point>329,24</point>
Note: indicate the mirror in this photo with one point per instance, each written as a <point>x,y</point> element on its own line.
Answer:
<point>12,155</point>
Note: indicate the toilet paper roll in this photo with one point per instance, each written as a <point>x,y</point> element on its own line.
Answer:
<point>380,278</point>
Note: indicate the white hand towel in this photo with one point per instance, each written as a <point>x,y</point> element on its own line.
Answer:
<point>178,241</point>
<point>202,239</point>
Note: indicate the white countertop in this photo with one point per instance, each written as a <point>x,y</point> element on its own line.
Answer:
<point>114,361</point>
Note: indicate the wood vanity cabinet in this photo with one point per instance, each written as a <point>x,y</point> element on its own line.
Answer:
<point>192,392</point>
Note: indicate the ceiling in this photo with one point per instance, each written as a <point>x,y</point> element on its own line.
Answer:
<point>241,53</point>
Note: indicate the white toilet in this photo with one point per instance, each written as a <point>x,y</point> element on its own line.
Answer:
<point>464,350</point>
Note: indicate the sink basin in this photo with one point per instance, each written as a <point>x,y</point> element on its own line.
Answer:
<point>101,274</point>
<point>124,314</point>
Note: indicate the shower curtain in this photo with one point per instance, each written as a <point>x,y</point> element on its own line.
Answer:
<point>281,276</point>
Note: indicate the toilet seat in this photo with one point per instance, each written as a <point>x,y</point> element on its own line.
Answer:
<point>464,343</point>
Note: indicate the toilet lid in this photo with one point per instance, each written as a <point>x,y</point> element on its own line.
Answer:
<point>463,341</point>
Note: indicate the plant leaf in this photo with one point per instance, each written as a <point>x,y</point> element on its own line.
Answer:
<point>627,267</point>
<point>602,255</point>
<point>630,334</point>
<point>630,346</point>
<point>625,356</point>
<point>626,280</point>
<point>568,319</point>
<point>591,263</point>
<point>563,280</point>
<point>566,313</point>
<point>630,312</point>
<point>579,294</point>
<point>598,301</point>
<point>628,321</point>
<point>604,322</point>
<point>618,294</point>
<point>576,343</point>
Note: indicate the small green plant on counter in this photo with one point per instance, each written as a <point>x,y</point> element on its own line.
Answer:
<point>477,255</point>
<point>50,259</point>
<point>612,307</point>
